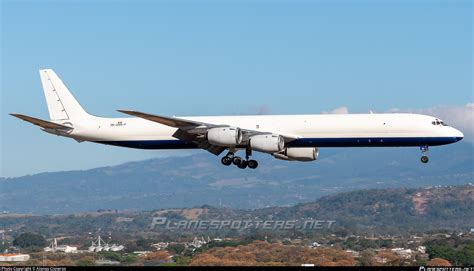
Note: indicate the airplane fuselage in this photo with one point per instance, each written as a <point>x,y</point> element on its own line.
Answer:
<point>324,130</point>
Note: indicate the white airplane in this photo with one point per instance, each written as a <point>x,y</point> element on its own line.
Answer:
<point>286,137</point>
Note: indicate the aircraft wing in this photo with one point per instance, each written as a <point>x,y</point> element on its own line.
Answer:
<point>193,131</point>
<point>183,124</point>
<point>42,123</point>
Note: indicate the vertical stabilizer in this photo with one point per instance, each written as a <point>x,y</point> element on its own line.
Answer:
<point>61,104</point>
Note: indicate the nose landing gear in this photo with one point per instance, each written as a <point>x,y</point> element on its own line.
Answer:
<point>424,157</point>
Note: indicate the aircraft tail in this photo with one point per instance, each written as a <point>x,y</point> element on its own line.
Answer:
<point>61,103</point>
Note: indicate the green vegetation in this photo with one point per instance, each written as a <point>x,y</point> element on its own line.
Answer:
<point>141,244</point>
<point>124,258</point>
<point>176,248</point>
<point>455,250</point>
<point>431,217</point>
<point>86,261</point>
<point>30,241</point>
<point>375,211</point>
<point>359,244</point>
<point>182,260</point>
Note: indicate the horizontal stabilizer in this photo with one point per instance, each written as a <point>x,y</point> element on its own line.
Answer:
<point>42,123</point>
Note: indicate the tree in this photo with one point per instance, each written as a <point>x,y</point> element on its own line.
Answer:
<point>157,258</point>
<point>389,258</point>
<point>182,260</point>
<point>440,251</point>
<point>29,240</point>
<point>438,262</point>
<point>263,253</point>
<point>367,258</point>
<point>176,248</point>
<point>86,261</point>
<point>467,255</point>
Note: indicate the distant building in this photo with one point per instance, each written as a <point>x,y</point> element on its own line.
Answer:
<point>403,253</point>
<point>314,244</point>
<point>197,243</point>
<point>53,247</point>
<point>142,253</point>
<point>354,253</point>
<point>421,249</point>
<point>100,245</point>
<point>106,262</point>
<point>160,245</point>
<point>14,257</point>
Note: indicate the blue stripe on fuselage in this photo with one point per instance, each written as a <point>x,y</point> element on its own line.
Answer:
<point>301,142</point>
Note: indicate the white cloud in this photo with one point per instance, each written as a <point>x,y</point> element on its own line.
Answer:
<point>339,110</point>
<point>259,110</point>
<point>459,117</point>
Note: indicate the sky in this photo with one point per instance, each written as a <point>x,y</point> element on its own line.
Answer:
<point>189,58</point>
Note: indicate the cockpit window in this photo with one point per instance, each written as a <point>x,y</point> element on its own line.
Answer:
<point>439,122</point>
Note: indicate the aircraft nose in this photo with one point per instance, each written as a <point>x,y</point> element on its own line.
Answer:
<point>458,134</point>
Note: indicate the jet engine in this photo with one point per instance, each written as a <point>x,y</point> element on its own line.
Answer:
<point>298,154</point>
<point>267,143</point>
<point>224,136</point>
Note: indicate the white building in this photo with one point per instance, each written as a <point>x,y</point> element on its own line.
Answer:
<point>354,253</point>
<point>421,249</point>
<point>100,245</point>
<point>14,257</point>
<point>160,245</point>
<point>314,244</point>
<point>197,243</point>
<point>402,252</point>
<point>53,247</point>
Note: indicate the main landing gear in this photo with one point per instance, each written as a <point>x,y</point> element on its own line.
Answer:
<point>424,157</point>
<point>231,158</point>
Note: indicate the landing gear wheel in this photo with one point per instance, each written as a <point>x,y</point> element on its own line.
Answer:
<point>252,164</point>
<point>226,161</point>
<point>424,157</point>
<point>237,160</point>
<point>243,164</point>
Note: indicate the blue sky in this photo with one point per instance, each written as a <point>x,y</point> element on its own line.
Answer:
<point>210,58</point>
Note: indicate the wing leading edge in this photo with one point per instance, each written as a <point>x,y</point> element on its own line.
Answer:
<point>194,131</point>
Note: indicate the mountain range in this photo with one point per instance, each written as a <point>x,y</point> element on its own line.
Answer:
<point>389,211</point>
<point>198,179</point>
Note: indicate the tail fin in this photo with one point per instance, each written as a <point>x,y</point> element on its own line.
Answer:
<point>61,104</point>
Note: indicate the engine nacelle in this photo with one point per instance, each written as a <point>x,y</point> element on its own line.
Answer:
<point>298,154</point>
<point>267,143</point>
<point>224,136</point>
